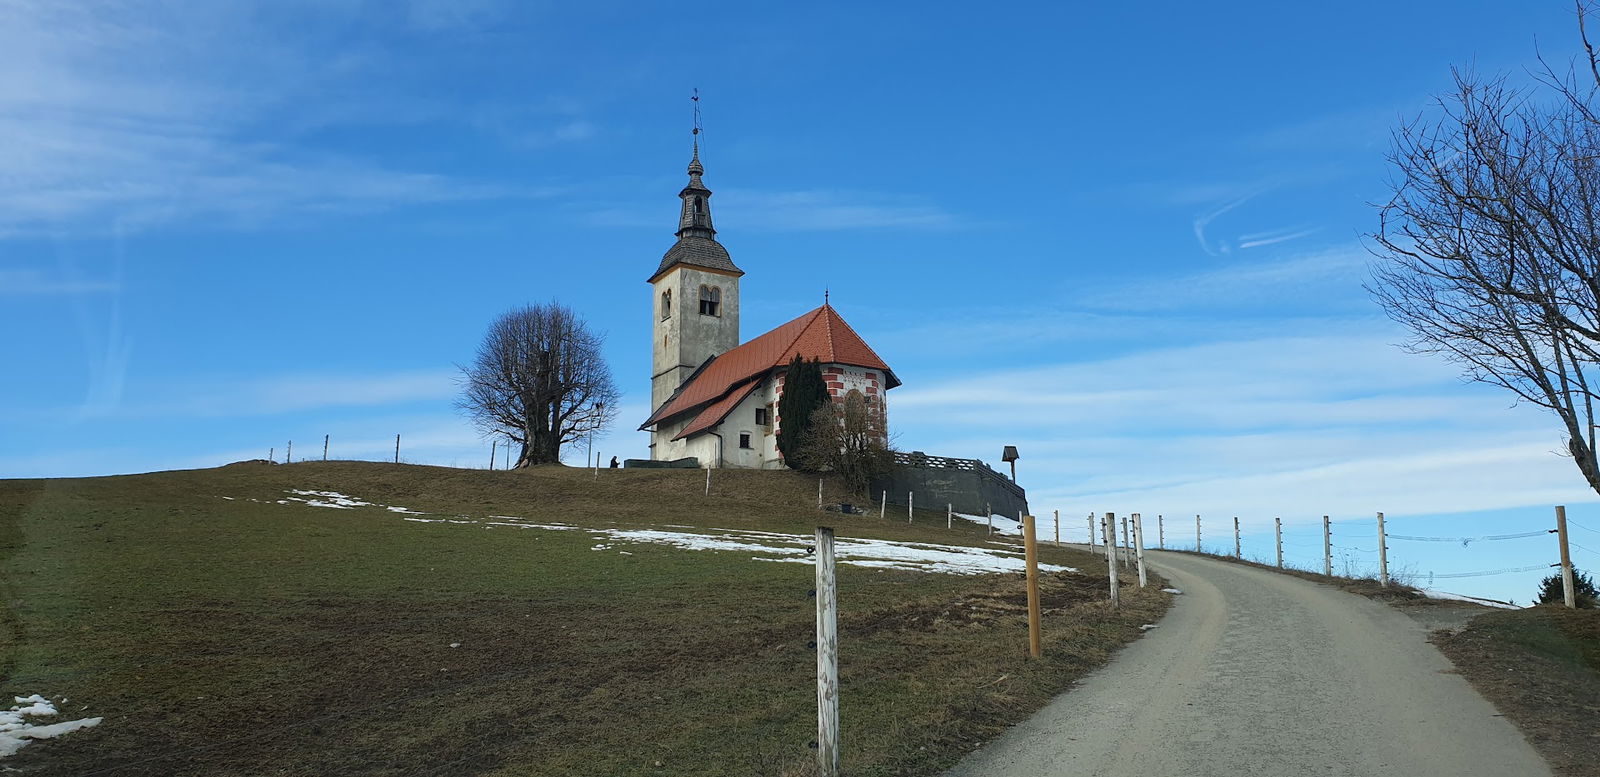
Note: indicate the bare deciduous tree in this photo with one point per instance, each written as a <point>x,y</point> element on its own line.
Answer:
<point>850,437</point>
<point>1489,248</point>
<point>539,379</point>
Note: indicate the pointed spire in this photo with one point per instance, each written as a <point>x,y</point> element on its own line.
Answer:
<point>697,239</point>
<point>695,220</point>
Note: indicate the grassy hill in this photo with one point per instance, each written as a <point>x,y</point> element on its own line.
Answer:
<point>223,624</point>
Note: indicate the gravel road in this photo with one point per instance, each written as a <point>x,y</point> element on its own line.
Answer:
<point>1256,673</point>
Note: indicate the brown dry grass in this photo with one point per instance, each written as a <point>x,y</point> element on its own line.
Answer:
<point>224,636</point>
<point>1541,668</point>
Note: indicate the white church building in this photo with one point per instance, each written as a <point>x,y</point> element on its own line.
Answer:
<point>715,399</point>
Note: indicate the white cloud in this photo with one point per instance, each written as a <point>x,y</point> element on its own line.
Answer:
<point>212,398</point>
<point>1292,425</point>
<point>28,282</point>
<point>120,116</point>
<point>803,211</point>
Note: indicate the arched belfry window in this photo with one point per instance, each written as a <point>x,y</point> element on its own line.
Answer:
<point>699,205</point>
<point>666,304</point>
<point>710,300</point>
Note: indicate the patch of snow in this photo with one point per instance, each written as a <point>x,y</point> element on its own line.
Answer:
<point>455,644</point>
<point>1002,524</point>
<point>1170,591</point>
<point>1149,626</point>
<point>15,732</point>
<point>1431,594</point>
<point>406,510</point>
<point>327,499</point>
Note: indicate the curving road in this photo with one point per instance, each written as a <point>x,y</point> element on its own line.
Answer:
<point>1257,673</point>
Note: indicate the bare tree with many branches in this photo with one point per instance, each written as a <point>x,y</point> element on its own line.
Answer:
<point>539,380</point>
<point>1489,248</point>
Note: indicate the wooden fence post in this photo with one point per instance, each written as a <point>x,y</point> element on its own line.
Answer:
<point>708,483</point>
<point>1138,547</point>
<point>1126,543</point>
<point>288,453</point>
<point>827,656</point>
<point>1327,547</point>
<point>911,501</point>
<point>1091,531</point>
<point>1107,527</point>
<point>1383,554</point>
<point>397,449</point>
<point>819,492</point>
<point>1236,550</point>
<point>1058,528</point>
<point>1277,526</point>
<point>1197,534</point>
<point>325,439</point>
<point>949,515</point>
<point>1569,594</point>
<point>1161,531</point>
<point>883,504</point>
<point>494,452</point>
<point>1031,559</point>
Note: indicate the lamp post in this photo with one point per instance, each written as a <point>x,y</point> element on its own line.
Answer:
<point>1009,455</point>
<point>600,411</point>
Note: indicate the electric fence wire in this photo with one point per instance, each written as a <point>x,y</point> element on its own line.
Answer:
<point>1491,571</point>
<point>1465,540</point>
<point>1580,547</point>
<point>1571,522</point>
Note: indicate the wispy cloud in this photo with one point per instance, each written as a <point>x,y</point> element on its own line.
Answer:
<point>804,211</point>
<point>28,282</point>
<point>295,393</point>
<point>1295,426</point>
<point>1339,269</point>
<point>128,115</point>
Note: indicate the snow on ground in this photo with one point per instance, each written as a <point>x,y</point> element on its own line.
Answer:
<point>327,499</point>
<point>16,732</point>
<point>1002,524</point>
<point>763,545</point>
<point>1431,594</point>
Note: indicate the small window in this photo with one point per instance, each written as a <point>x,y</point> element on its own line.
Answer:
<point>699,205</point>
<point>761,416</point>
<point>666,304</point>
<point>710,300</point>
<point>744,440</point>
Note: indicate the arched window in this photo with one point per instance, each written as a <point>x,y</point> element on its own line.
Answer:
<point>699,205</point>
<point>710,300</point>
<point>666,304</point>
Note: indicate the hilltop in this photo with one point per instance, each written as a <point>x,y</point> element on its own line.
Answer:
<point>365,618</point>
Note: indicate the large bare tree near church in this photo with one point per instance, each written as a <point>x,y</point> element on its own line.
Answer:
<point>539,380</point>
<point>1489,248</point>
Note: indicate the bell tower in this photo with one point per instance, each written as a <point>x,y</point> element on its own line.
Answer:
<point>694,292</point>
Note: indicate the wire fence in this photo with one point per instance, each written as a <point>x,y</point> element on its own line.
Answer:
<point>1335,553</point>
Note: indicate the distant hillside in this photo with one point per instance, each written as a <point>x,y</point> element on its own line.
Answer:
<point>365,618</point>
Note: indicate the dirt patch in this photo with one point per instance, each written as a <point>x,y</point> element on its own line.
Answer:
<point>1541,668</point>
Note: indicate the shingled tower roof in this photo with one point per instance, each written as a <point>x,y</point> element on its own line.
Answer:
<point>697,244</point>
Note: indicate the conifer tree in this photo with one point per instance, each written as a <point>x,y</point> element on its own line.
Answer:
<point>803,392</point>
<point>1552,592</point>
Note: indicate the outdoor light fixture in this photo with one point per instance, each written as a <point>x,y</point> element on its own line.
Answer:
<point>1010,456</point>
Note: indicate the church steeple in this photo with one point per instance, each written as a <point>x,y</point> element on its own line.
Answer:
<point>695,220</point>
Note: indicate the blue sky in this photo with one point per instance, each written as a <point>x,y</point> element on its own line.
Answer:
<point>1125,239</point>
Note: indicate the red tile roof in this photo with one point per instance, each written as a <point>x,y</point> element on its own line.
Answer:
<point>820,334</point>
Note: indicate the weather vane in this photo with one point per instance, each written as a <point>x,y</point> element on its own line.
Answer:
<point>695,98</point>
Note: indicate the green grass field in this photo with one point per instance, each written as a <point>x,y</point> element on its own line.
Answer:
<point>223,636</point>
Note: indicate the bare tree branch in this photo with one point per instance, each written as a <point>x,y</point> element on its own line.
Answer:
<point>539,380</point>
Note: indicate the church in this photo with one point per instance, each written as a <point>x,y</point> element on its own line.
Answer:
<point>716,400</point>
